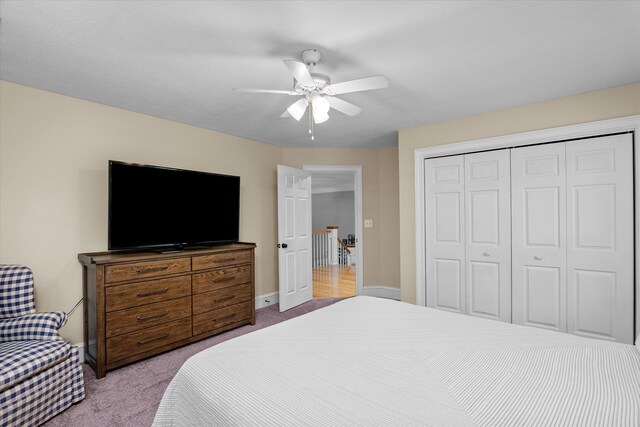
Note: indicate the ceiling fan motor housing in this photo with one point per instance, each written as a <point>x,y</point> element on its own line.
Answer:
<point>319,80</point>
<point>311,57</point>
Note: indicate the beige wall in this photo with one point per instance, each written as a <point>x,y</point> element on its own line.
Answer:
<point>53,184</point>
<point>53,179</point>
<point>389,222</point>
<point>379,203</point>
<point>53,187</point>
<point>599,105</point>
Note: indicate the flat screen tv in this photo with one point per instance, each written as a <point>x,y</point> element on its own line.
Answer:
<point>169,209</point>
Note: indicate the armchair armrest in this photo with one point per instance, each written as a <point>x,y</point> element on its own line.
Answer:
<point>34,326</point>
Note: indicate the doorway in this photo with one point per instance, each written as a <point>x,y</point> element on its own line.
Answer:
<point>336,199</point>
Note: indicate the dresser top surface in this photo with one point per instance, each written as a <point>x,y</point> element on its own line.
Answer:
<point>110,257</point>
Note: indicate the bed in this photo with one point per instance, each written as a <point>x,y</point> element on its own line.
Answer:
<point>376,362</point>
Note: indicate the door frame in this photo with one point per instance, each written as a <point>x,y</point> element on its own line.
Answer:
<point>357,175</point>
<point>557,134</point>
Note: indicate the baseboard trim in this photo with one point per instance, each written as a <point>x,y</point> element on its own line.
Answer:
<point>80,352</point>
<point>267,300</point>
<point>382,292</point>
<point>373,291</point>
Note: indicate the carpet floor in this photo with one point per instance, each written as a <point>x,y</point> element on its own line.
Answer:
<point>129,396</point>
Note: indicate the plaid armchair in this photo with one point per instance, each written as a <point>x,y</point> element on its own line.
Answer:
<point>40,373</point>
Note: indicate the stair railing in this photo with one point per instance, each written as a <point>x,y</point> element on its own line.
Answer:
<point>344,254</point>
<point>320,247</point>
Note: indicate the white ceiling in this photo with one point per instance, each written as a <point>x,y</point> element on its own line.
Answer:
<point>332,182</point>
<point>180,59</point>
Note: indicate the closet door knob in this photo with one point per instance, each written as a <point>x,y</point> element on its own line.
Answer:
<point>537,258</point>
<point>485,254</point>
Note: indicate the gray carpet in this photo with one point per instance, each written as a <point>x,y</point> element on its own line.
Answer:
<point>129,396</point>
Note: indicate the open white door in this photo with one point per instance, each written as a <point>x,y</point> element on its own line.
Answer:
<point>294,236</point>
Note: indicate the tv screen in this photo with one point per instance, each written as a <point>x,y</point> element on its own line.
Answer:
<point>156,207</point>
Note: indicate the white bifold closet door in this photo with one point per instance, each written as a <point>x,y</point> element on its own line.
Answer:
<point>445,247</point>
<point>573,264</point>
<point>468,234</point>
<point>539,243</point>
<point>488,235</point>
<point>600,240</point>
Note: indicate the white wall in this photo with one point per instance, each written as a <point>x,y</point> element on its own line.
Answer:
<point>336,208</point>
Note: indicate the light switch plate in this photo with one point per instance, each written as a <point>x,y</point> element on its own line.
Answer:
<point>368,223</point>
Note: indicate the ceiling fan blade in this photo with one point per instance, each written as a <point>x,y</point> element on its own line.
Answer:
<point>285,114</point>
<point>368,83</point>
<point>297,109</point>
<point>283,92</point>
<point>300,72</point>
<point>343,106</point>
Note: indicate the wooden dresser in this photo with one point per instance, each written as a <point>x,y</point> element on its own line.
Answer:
<point>137,305</point>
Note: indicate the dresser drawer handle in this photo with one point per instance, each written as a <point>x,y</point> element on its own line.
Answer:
<point>224,260</point>
<point>229,298</point>
<point>153,316</point>
<point>146,294</point>
<point>151,269</point>
<point>224,279</point>
<point>142,342</point>
<point>222,319</point>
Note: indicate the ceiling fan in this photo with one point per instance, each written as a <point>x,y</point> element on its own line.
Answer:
<point>316,91</point>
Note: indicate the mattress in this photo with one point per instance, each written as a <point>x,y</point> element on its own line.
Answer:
<point>369,361</point>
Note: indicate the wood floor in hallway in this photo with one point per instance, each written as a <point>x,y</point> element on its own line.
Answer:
<point>333,281</point>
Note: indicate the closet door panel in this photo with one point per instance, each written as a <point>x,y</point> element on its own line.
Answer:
<point>483,289</point>
<point>488,235</point>
<point>445,248</point>
<point>538,204</point>
<point>600,237</point>
<point>448,284</point>
<point>542,296</point>
<point>542,214</point>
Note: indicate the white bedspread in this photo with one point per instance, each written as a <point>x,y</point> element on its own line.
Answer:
<point>375,362</point>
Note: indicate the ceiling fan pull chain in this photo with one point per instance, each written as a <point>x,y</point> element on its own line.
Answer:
<point>311,120</point>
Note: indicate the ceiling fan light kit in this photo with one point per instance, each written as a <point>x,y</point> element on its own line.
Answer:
<point>317,91</point>
<point>297,109</point>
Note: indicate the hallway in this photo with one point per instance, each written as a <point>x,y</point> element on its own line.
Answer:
<point>333,281</point>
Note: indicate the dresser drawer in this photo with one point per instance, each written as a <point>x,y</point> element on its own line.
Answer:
<point>135,294</point>
<point>141,270</point>
<point>138,305</point>
<point>145,316</point>
<point>221,260</point>
<point>221,278</point>
<point>221,298</point>
<point>219,318</point>
<point>133,343</point>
